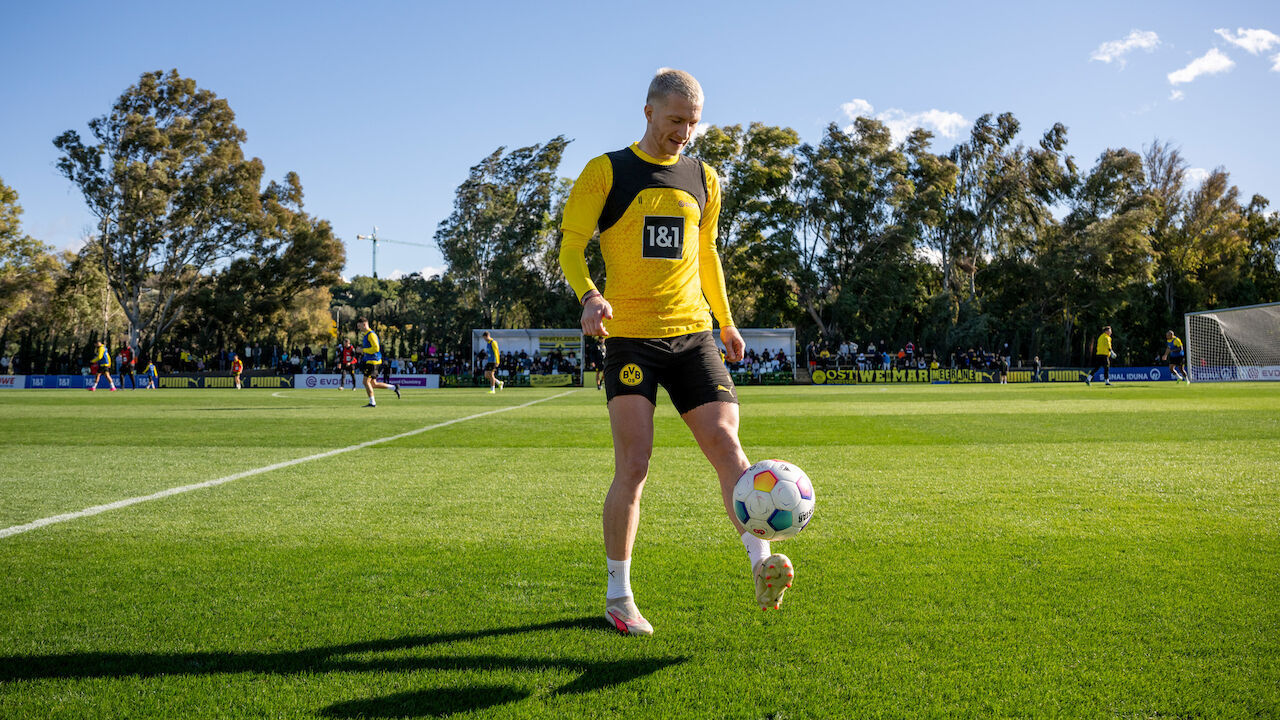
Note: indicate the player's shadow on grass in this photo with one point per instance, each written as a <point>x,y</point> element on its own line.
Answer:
<point>592,675</point>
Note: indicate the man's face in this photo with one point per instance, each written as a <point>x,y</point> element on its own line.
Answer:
<point>671,123</point>
<point>364,327</point>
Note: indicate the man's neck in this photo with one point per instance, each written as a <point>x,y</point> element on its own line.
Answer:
<point>650,148</point>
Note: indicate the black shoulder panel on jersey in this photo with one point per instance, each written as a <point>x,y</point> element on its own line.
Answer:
<point>631,175</point>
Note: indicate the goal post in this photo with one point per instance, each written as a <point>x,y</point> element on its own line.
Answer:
<point>1239,343</point>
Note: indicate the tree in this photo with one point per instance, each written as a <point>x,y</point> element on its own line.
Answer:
<point>28,267</point>
<point>1210,256</point>
<point>756,170</point>
<point>293,254</point>
<point>844,200</point>
<point>1100,261</point>
<point>171,190</point>
<point>1262,230</point>
<point>1001,189</point>
<point>434,304</point>
<point>500,213</point>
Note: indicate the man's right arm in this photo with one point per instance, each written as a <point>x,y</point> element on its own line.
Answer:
<point>581,215</point>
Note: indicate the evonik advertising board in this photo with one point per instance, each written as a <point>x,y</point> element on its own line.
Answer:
<point>330,381</point>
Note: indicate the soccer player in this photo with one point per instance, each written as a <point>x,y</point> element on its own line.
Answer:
<point>126,366</point>
<point>657,213</point>
<point>237,367</point>
<point>151,375</point>
<point>1176,354</point>
<point>346,364</point>
<point>1102,356</point>
<point>101,365</point>
<point>491,359</point>
<point>371,358</point>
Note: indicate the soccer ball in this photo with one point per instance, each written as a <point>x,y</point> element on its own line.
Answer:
<point>773,499</point>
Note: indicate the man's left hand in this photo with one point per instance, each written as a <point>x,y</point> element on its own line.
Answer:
<point>734,346</point>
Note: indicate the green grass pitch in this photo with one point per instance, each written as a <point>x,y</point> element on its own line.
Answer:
<point>976,552</point>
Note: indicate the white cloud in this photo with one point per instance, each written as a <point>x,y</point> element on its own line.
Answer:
<point>1255,40</point>
<point>1210,63</point>
<point>425,272</point>
<point>1177,95</point>
<point>1115,50</point>
<point>857,107</point>
<point>901,123</point>
<point>1275,60</point>
<point>1195,176</point>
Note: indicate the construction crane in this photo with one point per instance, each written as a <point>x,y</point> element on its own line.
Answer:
<point>375,240</point>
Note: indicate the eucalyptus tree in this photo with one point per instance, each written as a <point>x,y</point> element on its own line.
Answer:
<point>1262,230</point>
<point>756,168</point>
<point>1004,194</point>
<point>292,256</point>
<point>172,192</point>
<point>28,267</point>
<point>500,214</point>
<point>1101,260</point>
<point>842,212</point>
<point>1209,258</point>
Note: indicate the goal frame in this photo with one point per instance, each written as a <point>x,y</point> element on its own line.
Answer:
<point>1236,363</point>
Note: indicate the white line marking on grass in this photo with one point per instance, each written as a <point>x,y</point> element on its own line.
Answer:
<point>96,509</point>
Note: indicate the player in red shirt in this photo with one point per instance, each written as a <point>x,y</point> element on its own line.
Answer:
<point>346,364</point>
<point>126,366</point>
<point>237,367</point>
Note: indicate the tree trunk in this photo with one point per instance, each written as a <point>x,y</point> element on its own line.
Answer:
<point>813,313</point>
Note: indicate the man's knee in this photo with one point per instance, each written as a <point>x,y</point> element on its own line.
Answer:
<point>631,468</point>
<point>719,435</point>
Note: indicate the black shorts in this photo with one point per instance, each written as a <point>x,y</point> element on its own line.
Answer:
<point>490,366</point>
<point>1102,361</point>
<point>369,369</point>
<point>1180,359</point>
<point>688,366</point>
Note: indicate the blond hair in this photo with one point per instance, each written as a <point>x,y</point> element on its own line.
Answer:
<point>669,81</point>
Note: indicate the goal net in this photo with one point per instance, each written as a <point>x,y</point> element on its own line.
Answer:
<point>1234,343</point>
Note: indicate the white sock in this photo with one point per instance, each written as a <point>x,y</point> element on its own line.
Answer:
<point>619,579</point>
<point>757,549</point>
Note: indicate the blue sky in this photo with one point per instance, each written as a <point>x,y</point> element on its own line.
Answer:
<point>381,107</point>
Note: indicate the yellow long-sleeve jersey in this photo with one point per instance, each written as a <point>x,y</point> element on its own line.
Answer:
<point>657,221</point>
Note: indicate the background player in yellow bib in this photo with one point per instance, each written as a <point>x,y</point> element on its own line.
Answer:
<point>1102,355</point>
<point>1176,355</point>
<point>491,360</point>
<point>370,359</point>
<point>656,212</point>
<point>101,365</point>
